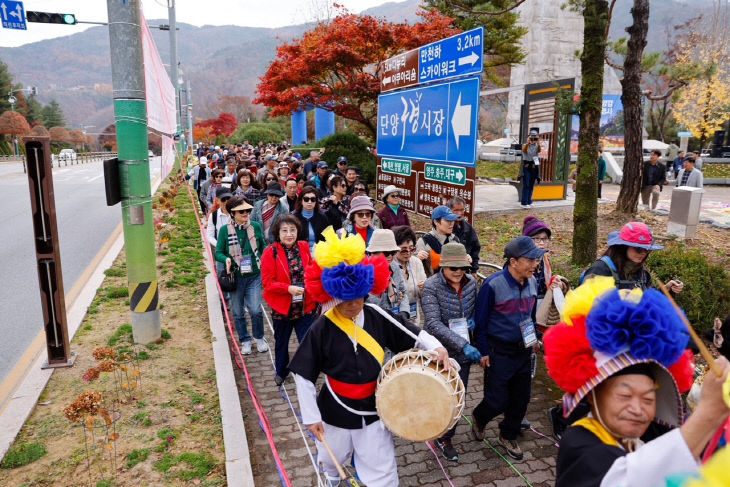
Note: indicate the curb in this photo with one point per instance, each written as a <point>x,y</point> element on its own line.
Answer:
<point>238,457</point>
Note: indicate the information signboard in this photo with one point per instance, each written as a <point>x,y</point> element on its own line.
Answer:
<point>427,185</point>
<point>436,123</point>
<point>13,15</point>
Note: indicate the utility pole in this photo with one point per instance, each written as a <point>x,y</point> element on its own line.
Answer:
<point>189,113</point>
<point>130,113</point>
<point>174,72</point>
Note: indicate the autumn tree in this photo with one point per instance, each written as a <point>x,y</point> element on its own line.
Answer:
<point>704,104</point>
<point>77,137</point>
<point>333,66</point>
<point>39,130</point>
<point>203,134</point>
<point>13,124</point>
<point>224,125</point>
<point>59,135</point>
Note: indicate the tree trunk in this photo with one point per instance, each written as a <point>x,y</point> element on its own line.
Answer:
<point>628,197</point>
<point>585,213</point>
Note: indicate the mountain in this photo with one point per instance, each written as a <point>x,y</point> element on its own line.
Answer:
<point>220,60</point>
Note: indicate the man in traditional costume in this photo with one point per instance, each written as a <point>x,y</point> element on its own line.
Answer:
<point>624,353</point>
<point>347,344</point>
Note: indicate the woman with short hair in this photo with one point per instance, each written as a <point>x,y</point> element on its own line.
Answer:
<point>282,276</point>
<point>311,219</point>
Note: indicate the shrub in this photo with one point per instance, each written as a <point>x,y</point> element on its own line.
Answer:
<point>259,131</point>
<point>706,285</point>
<point>350,145</point>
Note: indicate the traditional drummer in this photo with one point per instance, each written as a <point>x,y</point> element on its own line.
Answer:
<point>347,344</point>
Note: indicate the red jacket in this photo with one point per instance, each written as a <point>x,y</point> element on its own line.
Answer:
<point>276,279</point>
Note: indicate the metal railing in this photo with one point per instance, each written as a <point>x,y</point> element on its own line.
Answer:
<point>82,158</point>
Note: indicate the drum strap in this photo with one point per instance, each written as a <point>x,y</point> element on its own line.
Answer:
<point>345,406</point>
<point>362,337</point>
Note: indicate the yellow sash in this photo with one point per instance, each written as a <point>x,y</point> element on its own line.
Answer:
<point>362,337</point>
<point>595,427</point>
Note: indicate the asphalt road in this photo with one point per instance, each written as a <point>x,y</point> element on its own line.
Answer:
<point>85,223</point>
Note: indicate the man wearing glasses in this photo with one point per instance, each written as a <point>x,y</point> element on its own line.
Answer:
<point>505,335</point>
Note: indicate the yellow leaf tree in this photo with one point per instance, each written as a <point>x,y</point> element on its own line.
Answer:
<point>704,104</point>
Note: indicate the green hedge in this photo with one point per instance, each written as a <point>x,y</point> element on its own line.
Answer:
<point>706,285</point>
<point>346,144</point>
<point>267,132</point>
<point>716,171</point>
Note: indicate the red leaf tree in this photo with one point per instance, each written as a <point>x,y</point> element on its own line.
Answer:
<point>334,66</point>
<point>224,125</point>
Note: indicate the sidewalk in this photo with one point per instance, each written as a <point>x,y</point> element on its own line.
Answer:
<point>501,197</point>
<point>417,466</point>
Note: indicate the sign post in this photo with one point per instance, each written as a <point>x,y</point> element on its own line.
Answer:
<point>427,130</point>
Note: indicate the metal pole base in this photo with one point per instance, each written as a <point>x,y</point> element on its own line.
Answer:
<point>57,365</point>
<point>146,327</point>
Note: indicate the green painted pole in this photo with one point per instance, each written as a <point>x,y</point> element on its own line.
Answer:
<point>130,113</point>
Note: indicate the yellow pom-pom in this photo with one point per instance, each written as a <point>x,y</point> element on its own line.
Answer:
<point>726,392</point>
<point>715,473</point>
<point>335,250</point>
<point>579,301</point>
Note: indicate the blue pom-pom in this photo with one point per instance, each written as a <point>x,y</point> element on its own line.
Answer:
<point>607,325</point>
<point>347,282</point>
<point>651,328</point>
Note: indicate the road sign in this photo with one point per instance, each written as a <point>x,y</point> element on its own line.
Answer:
<point>455,56</point>
<point>420,193</point>
<point>396,166</point>
<point>684,134</point>
<point>445,174</point>
<point>400,71</point>
<point>13,15</point>
<point>458,55</point>
<point>435,123</point>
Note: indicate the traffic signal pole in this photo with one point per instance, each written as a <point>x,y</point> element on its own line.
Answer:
<point>130,113</point>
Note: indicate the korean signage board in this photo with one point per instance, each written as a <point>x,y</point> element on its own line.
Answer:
<point>453,57</point>
<point>435,123</point>
<point>427,185</point>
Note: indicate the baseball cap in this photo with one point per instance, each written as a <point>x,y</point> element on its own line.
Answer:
<point>443,212</point>
<point>523,247</point>
<point>322,165</point>
<point>634,234</point>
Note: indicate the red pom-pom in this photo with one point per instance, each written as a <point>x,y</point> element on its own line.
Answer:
<point>683,371</point>
<point>382,273</point>
<point>568,355</point>
<point>313,283</point>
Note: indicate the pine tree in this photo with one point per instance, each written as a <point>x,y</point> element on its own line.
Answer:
<point>53,115</point>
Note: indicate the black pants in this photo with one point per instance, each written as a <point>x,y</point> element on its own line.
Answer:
<point>506,389</point>
<point>600,186</point>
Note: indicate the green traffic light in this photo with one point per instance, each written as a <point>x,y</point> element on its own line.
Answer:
<point>69,19</point>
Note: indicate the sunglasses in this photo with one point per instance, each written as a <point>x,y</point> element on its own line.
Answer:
<point>394,195</point>
<point>407,251</point>
<point>270,179</point>
<point>390,253</point>
<point>363,214</point>
<point>457,269</point>
<point>218,177</point>
<point>243,212</point>
<point>309,200</point>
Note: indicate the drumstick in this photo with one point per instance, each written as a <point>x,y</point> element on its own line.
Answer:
<point>700,344</point>
<point>340,470</point>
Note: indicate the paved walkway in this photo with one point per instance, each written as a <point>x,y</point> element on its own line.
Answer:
<point>417,466</point>
<point>500,197</point>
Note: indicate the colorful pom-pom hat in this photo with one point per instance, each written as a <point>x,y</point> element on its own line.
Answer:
<point>342,272</point>
<point>605,331</point>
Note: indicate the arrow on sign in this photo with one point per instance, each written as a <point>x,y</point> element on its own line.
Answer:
<point>461,120</point>
<point>386,80</point>
<point>5,11</point>
<point>458,175</point>
<point>470,59</point>
<point>18,12</point>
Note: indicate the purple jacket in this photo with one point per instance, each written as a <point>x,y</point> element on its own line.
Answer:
<point>389,219</point>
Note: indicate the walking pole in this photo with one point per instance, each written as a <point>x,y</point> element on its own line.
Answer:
<point>348,480</point>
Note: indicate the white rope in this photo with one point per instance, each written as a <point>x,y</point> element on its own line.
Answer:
<point>299,425</point>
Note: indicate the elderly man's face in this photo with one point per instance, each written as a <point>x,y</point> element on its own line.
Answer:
<point>627,404</point>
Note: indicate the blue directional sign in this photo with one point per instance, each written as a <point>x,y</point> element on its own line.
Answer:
<point>435,123</point>
<point>12,14</point>
<point>454,56</point>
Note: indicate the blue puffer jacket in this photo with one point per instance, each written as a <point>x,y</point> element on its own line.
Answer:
<point>441,303</point>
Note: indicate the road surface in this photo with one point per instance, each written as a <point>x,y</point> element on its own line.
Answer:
<point>85,223</point>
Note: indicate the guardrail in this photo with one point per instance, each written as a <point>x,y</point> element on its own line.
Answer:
<point>82,158</point>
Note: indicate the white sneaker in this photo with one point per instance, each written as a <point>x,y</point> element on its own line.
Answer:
<point>261,345</point>
<point>246,347</point>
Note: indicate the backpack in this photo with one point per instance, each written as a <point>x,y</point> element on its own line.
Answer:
<point>607,260</point>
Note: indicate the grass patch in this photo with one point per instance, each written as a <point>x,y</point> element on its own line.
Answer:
<point>143,419</point>
<point>116,292</point>
<point>137,456</point>
<point>105,483</point>
<point>165,334</point>
<point>123,330</point>
<point>199,466</point>
<point>115,272</point>
<point>494,169</point>
<point>19,455</point>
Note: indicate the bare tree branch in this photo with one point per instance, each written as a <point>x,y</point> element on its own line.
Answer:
<point>481,12</point>
<point>610,17</point>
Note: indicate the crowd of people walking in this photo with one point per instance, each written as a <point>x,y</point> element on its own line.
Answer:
<point>357,284</point>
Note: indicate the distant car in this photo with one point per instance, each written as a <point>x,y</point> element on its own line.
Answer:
<point>67,155</point>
